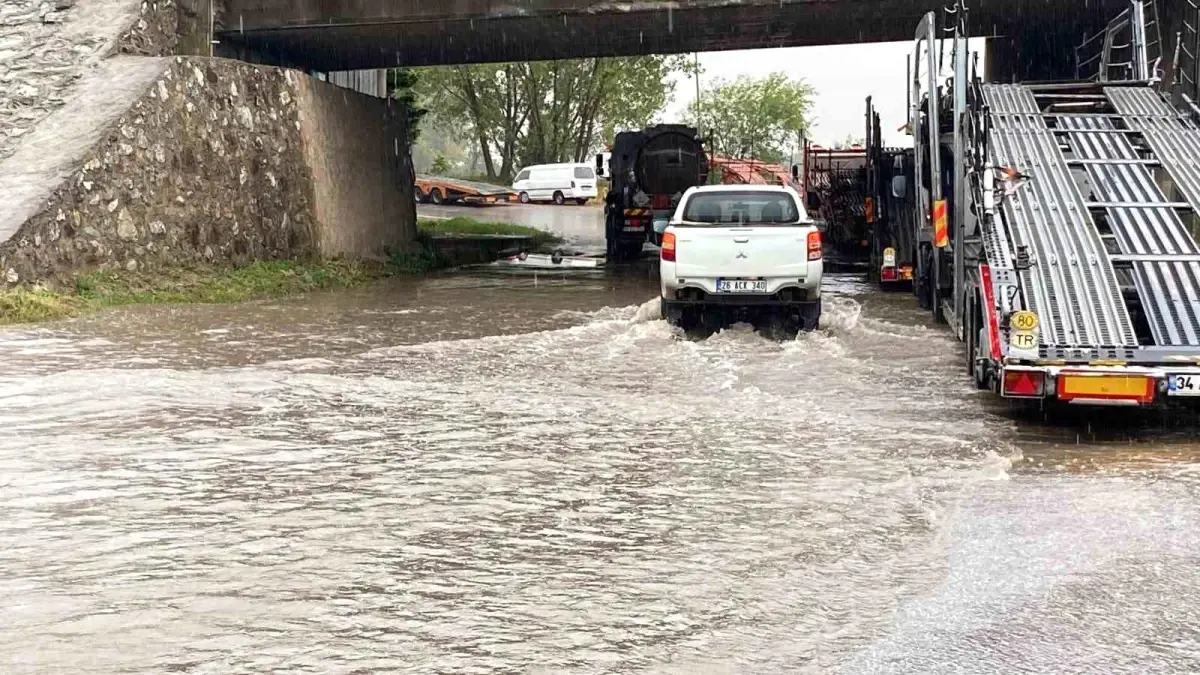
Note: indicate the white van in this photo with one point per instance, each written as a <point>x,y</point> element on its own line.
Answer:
<point>556,182</point>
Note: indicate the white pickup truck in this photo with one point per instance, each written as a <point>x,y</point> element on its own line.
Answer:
<point>741,253</point>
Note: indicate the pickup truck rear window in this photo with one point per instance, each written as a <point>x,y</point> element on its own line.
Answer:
<point>741,208</point>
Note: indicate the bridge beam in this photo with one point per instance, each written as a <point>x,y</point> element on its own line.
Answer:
<point>329,35</point>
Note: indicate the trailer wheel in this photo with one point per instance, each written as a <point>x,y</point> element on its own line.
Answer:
<point>979,367</point>
<point>923,282</point>
<point>559,199</point>
<point>970,336</point>
<point>435,196</point>
<point>935,286</point>
<point>418,196</point>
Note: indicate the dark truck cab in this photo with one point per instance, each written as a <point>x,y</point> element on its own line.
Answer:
<point>649,170</point>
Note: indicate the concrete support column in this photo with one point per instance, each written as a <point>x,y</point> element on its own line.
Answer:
<point>195,27</point>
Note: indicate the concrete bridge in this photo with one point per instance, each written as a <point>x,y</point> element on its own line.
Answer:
<point>330,35</point>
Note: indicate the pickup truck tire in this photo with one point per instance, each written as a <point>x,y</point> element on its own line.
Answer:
<point>678,316</point>
<point>810,316</point>
<point>524,197</point>
<point>559,198</point>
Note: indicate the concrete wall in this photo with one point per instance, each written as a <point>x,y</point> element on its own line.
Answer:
<point>219,160</point>
<point>356,148</point>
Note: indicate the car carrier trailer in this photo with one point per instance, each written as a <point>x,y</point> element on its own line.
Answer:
<point>443,190</point>
<point>888,209</point>
<point>1056,222</point>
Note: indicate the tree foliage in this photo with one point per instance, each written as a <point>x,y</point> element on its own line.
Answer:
<point>550,111</point>
<point>754,117</point>
<point>402,83</point>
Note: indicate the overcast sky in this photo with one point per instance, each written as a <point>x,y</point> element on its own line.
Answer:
<point>843,76</point>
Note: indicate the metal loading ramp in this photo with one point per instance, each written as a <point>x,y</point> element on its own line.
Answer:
<point>1070,283</point>
<point>1151,237</point>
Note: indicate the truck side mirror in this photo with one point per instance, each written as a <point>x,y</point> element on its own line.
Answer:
<point>899,187</point>
<point>813,201</point>
<point>600,165</point>
<point>796,172</point>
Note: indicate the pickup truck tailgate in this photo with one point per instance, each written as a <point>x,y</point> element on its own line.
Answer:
<point>768,251</point>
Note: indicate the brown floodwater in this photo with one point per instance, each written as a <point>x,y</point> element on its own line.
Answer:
<point>512,473</point>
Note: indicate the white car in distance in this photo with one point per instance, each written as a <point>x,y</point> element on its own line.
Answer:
<point>741,253</point>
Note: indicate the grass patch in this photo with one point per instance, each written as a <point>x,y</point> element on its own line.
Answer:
<point>208,285</point>
<point>198,285</point>
<point>463,227</point>
<point>205,284</point>
<point>27,305</point>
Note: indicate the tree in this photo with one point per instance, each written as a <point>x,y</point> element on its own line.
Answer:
<point>754,118</point>
<point>524,113</point>
<point>402,82</point>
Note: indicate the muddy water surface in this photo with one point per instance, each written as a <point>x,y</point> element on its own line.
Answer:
<point>487,473</point>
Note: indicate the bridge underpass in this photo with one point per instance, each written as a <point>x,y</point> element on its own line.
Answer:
<point>1034,38</point>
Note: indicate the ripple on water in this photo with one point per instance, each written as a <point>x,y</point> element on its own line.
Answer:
<point>598,494</point>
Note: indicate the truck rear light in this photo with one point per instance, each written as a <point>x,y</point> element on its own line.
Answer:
<point>814,245</point>
<point>668,246</point>
<point>572,185</point>
<point>888,274</point>
<point>1024,383</point>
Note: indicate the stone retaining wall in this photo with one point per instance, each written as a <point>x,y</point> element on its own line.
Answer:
<point>224,161</point>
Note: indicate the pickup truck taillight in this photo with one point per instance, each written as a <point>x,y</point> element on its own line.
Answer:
<point>668,246</point>
<point>814,245</point>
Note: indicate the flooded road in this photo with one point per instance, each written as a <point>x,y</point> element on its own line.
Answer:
<point>488,473</point>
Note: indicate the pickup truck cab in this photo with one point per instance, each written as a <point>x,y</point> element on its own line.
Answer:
<point>741,253</point>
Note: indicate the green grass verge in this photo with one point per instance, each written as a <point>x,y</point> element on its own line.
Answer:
<point>204,284</point>
<point>197,284</point>
<point>467,227</point>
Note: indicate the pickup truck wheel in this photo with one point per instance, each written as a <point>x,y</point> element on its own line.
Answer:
<point>810,316</point>
<point>524,197</point>
<point>559,199</point>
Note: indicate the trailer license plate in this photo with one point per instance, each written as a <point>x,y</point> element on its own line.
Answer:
<point>741,285</point>
<point>1183,385</point>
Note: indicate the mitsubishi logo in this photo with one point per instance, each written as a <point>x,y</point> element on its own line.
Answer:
<point>741,254</point>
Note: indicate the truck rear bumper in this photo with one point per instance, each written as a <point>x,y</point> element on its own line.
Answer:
<point>1102,385</point>
<point>696,297</point>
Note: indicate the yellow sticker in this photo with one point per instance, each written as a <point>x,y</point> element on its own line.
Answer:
<point>1023,340</point>
<point>1024,321</point>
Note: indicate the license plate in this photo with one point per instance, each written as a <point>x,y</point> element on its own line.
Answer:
<point>1183,385</point>
<point>741,286</point>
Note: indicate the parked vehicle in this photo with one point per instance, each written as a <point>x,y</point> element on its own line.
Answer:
<point>443,190</point>
<point>559,183</point>
<point>648,171</point>
<point>741,253</point>
<point>890,209</point>
<point>1045,238</point>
